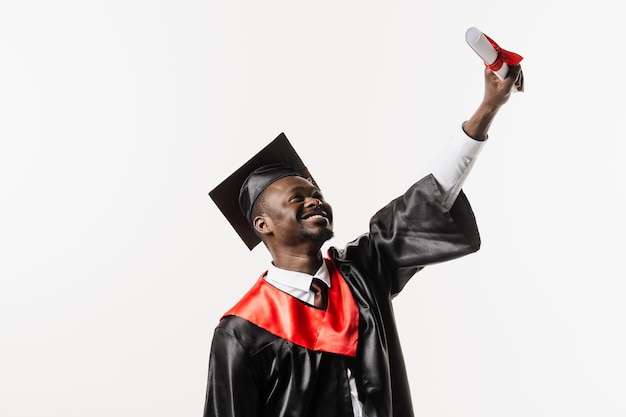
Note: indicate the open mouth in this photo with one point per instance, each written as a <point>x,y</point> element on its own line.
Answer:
<point>316,215</point>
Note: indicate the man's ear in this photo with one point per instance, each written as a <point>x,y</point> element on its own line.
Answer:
<point>262,225</point>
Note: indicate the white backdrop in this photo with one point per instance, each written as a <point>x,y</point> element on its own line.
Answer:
<point>118,117</point>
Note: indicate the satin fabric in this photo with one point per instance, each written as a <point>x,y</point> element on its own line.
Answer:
<point>504,56</point>
<point>255,373</point>
<point>334,330</point>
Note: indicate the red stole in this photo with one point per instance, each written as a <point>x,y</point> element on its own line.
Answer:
<point>333,330</point>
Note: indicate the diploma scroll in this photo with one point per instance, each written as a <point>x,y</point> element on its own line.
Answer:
<point>494,57</point>
<point>485,50</point>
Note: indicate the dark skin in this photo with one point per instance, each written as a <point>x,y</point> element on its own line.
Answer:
<point>296,221</point>
<point>497,93</point>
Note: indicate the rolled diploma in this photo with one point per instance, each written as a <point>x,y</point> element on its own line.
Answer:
<point>477,41</point>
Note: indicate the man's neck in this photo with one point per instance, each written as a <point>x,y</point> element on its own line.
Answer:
<point>305,263</point>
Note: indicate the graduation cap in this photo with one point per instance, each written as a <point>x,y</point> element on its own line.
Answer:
<point>236,195</point>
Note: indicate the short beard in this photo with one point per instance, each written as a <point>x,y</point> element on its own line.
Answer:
<point>321,236</point>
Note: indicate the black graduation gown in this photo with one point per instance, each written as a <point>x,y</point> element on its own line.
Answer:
<point>255,373</point>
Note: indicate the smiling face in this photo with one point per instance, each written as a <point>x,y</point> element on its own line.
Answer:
<point>293,212</point>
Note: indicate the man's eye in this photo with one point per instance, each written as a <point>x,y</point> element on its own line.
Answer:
<point>296,197</point>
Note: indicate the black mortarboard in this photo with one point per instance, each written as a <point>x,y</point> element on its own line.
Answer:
<point>236,195</point>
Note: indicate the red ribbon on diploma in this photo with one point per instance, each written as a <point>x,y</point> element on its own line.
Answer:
<point>504,57</point>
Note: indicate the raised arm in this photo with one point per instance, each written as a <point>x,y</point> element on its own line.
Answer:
<point>497,93</point>
<point>453,164</point>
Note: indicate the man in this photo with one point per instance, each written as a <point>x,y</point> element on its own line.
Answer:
<point>316,336</point>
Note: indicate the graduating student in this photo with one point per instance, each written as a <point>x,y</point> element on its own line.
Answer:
<point>315,335</point>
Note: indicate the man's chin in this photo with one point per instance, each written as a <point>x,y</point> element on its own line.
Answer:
<point>319,236</point>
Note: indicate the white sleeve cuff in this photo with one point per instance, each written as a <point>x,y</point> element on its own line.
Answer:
<point>451,167</point>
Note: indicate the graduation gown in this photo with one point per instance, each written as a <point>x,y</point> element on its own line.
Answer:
<point>253,372</point>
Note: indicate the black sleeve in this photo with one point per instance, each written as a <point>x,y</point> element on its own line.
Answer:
<point>232,388</point>
<point>411,232</point>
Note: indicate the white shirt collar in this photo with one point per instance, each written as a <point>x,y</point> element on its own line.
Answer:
<point>297,280</point>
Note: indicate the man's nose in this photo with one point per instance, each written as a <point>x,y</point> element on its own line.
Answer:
<point>313,202</point>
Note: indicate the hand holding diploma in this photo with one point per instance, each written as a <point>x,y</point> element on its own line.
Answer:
<point>495,58</point>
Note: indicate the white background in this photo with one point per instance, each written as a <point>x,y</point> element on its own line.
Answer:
<point>118,117</point>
